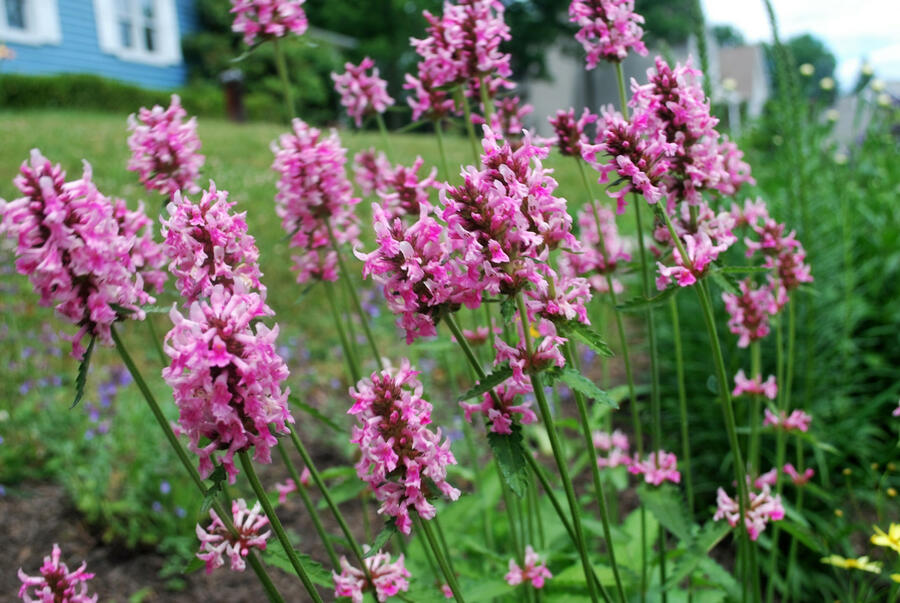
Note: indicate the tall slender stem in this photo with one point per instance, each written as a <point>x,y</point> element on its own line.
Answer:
<point>470,128</point>
<point>156,345</point>
<point>258,568</point>
<point>276,525</point>
<point>439,130</point>
<point>441,560</point>
<point>486,100</point>
<point>385,137</point>
<point>682,407</point>
<point>349,352</point>
<point>756,371</point>
<point>281,66</point>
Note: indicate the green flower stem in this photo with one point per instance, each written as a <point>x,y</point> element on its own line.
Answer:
<point>255,563</point>
<point>623,98</point>
<point>281,66</point>
<point>354,298</point>
<point>780,453</point>
<point>753,451</point>
<point>442,562</point>
<point>461,99</point>
<point>508,504</point>
<point>385,138</point>
<point>486,100</point>
<point>792,552</point>
<point>443,542</point>
<point>163,360</point>
<point>276,526</point>
<point>538,387</point>
<point>682,407</point>
<point>569,352</point>
<point>349,352</point>
<point>310,507</point>
<point>445,165</point>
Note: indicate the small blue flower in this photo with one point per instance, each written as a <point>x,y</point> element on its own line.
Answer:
<point>157,506</point>
<point>165,487</point>
<point>180,512</point>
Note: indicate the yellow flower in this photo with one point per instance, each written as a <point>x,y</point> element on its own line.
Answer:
<point>862,563</point>
<point>891,539</point>
<point>895,577</point>
<point>838,513</point>
<point>892,492</point>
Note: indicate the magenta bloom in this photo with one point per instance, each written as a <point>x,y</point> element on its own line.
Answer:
<point>505,411</point>
<point>56,584</point>
<point>268,18</point>
<point>427,98</point>
<point>216,542</point>
<point>762,508</point>
<point>799,479</point>
<point>609,28</point>
<point>658,467</point>
<point>602,249</point>
<point>164,149</point>
<point>749,312</point>
<point>313,194</point>
<point>751,213</point>
<point>371,170</point>
<point>227,378</point>
<point>289,485</point>
<point>76,246</point>
<point>535,571</point>
<point>509,118</point>
<point>209,246</point>
<point>403,193</point>
<point>701,253</point>
<point>616,446</point>
<point>361,93</point>
<point>546,352</point>
<point>797,420</point>
<point>755,386</point>
<point>571,138</point>
<point>147,256</point>
<point>388,578</point>
<point>400,456</point>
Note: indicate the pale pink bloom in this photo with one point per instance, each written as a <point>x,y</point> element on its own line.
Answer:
<point>762,508</point>
<point>209,245</point>
<point>289,485</point>
<point>164,149</point>
<point>448,592</point>
<point>361,93</point>
<point>558,297</point>
<point>77,249</point>
<point>478,335</point>
<point>227,378</point>
<point>509,118</point>
<point>609,29</point>
<point>717,226</point>
<point>798,478</point>
<point>797,420</point>
<point>427,98</point>
<point>571,138</point>
<point>217,542</point>
<point>147,256</point>
<point>601,249</point>
<point>616,446</point>
<point>751,214</point>
<point>501,413</point>
<point>371,170</point>
<point>743,386</point>
<point>896,412</point>
<point>403,193</point>
<point>268,18</point>
<point>658,467</point>
<point>701,253</point>
<point>313,193</point>
<point>400,455</point>
<point>535,570</point>
<point>749,312</point>
<point>56,584</point>
<point>769,478</point>
<point>388,578</point>
<point>546,353</point>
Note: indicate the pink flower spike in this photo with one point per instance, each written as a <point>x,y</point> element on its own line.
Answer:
<point>268,18</point>
<point>534,570</point>
<point>403,193</point>
<point>164,149</point>
<point>754,387</point>
<point>571,138</point>
<point>770,478</point>
<point>701,252</point>
<point>763,508</point>
<point>361,93</point>
<point>217,542</point>
<point>388,578</point>
<point>371,170</point>
<point>284,488</point>
<point>797,420</point>
<point>749,312</point>
<point>56,584</point>
<point>798,479</point>
<point>609,29</point>
<point>658,467</point>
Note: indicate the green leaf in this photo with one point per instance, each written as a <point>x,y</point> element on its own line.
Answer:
<point>218,478</point>
<point>586,335</point>
<point>276,555</point>
<point>343,492</point>
<point>81,377</point>
<point>490,381</point>
<point>667,506</point>
<point>510,457</point>
<point>804,535</point>
<point>718,575</point>
<point>726,282</point>
<point>389,529</point>
<point>193,565</point>
<point>314,412</point>
<point>642,304</point>
<point>580,384</point>
<point>156,309</point>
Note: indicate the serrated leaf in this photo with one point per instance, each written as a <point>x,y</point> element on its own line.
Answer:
<point>193,565</point>
<point>218,477</point>
<point>508,309</point>
<point>667,506</point>
<point>389,529</point>
<point>276,555</point>
<point>314,412</point>
<point>490,381</point>
<point>510,456</point>
<point>642,304</point>
<point>580,384</point>
<point>81,377</point>
<point>586,335</point>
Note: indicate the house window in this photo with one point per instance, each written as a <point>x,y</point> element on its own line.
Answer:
<point>29,22</point>
<point>142,31</point>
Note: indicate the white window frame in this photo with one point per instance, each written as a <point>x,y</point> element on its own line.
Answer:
<point>41,24</point>
<point>168,40</point>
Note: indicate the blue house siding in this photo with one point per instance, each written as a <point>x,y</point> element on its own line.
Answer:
<point>80,50</point>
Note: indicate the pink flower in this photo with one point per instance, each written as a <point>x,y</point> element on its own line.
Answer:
<point>56,584</point>
<point>289,485</point>
<point>701,253</point>
<point>658,467</point>
<point>535,571</point>
<point>509,118</point>
<point>361,93</point>
<point>388,578</point>
<point>209,246</point>
<point>694,219</point>
<point>797,478</point>
<point>797,420</point>
<point>504,411</point>
<point>371,170</point>
<point>164,149</point>
<point>602,249</point>
<point>769,478</point>
<point>571,138</point>
<point>227,378</point>
<point>616,445</point>
<point>147,256</point>
<point>609,28</point>
<point>751,214</point>
<point>428,99</point>
<point>78,249</point>
<point>313,193</point>
<point>402,193</point>
<point>546,352</point>
<point>217,542</point>
<point>400,456</point>
<point>749,312</point>
<point>268,18</point>
<point>762,508</point>
<point>447,591</point>
<point>896,412</point>
<point>755,386</point>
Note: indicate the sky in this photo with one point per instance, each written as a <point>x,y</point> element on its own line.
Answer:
<point>853,30</point>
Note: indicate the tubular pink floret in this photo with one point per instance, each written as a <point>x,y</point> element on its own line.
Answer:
<point>754,387</point>
<point>701,252</point>
<point>388,578</point>
<point>164,149</point>
<point>402,193</point>
<point>398,450</point>
<point>797,420</point>
<point>217,542</point>
<point>749,312</point>
<point>659,466</point>
<point>371,170</point>
<point>571,139</point>
<point>361,93</point>
<point>601,249</point>
<point>56,584</point>
<point>799,479</point>
<point>762,508</point>
<point>609,29</point>
<point>615,445</point>
<point>535,571</point>
<point>268,18</point>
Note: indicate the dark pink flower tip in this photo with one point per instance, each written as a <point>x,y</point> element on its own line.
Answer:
<point>762,508</point>
<point>533,570</point>
<point>217,542</point>
<point>268,18</point>
<point>608,29</point>
<point>56,584</point>
<point>362,93</point>
<point>659,466</point>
